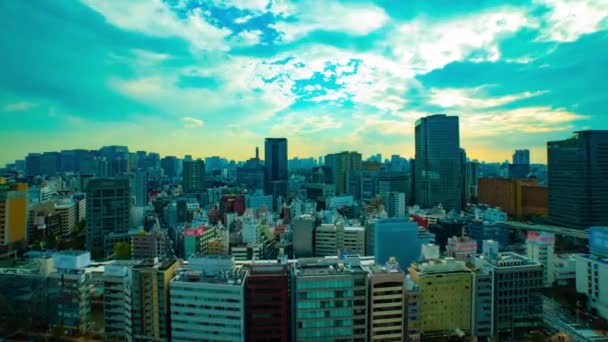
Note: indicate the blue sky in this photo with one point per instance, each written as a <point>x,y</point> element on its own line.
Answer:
<point>216,77</point>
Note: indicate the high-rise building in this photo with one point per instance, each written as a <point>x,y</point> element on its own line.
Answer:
<point>446,296</point>
<point>170,166</point>
<point>150,300</point>
<point>394,204</point>
<point>394,181</point>
<point>516,281</point>
<point>13,213</point>
<point>578,185</point>
<point>386,302</point>
<point>396,237</point>
<point>108,211</point>
<point>267,302</point>
<point>275,168</point>
<point>303,228</point>
<point>207,301</point>
<point>332,239</point>
<point>117,297</point>
<point>521,157</point>
<point>32,164</point>
<point>472,181</point>
<point>540,248</point>
<point>344,166</point>
<point>251,174</point>
<point>193,176</point>
<point>330,300</point>
<point>438,170</point>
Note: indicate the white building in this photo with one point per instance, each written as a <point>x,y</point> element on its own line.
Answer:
<point>592,271</point>
<point>251,231</point>
<point>540,248</point>
<point>331,238</point>
<point>461,248</point>
<point>207,301</point>
<point>337,202</point>
<point>394,203</point>
<point>117,289</point>
<point>564,269</point>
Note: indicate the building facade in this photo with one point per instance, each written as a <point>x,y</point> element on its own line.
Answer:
<point>275,168</point>
<point>438,163</point>
<point>193,176</point>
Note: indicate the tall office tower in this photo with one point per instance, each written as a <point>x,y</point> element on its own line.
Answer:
<point>578,184</point>
<point>117,297</point>
<point>32,164</point>
<point>396,237</point>
<point>445,286</point>
<point>333,239</point>
<point>251,174</point>
<point>211,279</point>
<point>394,204</point>
<point>303,228</point>
<point>275,168</point>
<point>438,159</point>
<point>170,167</point>
<point>472,182</point>
<point>516,282</point>
<point>344,166</point>
<point>267,302</point>
<point>193,176</point>
<point>412,189</point>
<point>330,300</point>
<point>521,157</point>
<point>540,248</point>
<point>150,300</point>
<point>13,213</point>
<point>139,185</point>
<point>520,168</point>
<point>592,271</point>
<point>108,210</point>
<point>386,302</point>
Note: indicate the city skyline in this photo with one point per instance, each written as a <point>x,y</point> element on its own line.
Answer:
<point>179,77</point>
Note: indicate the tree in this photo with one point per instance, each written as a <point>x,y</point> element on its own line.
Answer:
<point>122,251</point>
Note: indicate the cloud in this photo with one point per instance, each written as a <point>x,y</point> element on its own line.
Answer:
<point>474,98</point>
<point>190,122</point>
<point>153,17</point>
<point>567,20</point>
<point>312,15</point>
<point>17,106</point>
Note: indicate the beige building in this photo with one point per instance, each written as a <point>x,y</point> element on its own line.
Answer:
<point>445,297</point>
<point>344,165</point>
<point>68,211</point>
<point>386,303</point>
<point>330,239</point>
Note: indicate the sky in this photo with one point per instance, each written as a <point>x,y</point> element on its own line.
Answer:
<point>215,77</point>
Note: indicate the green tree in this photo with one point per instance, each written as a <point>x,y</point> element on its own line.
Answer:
<point>122,251</point>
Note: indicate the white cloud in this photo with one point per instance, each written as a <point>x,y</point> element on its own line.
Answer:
<point>423,45</point>
<point>17,106</point>
<point>516,121</point>
<point>246,38</point>
<point>299,124</point>
<point>311,15</point>
<point>190,122</point>
<point>473,98</point>
<point>567,20</point>
<point>153,17</point>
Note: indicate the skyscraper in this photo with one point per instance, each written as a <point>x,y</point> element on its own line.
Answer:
<point>438,158</point>
<point>343,165</point>
<point>108,210</point>
<point>521,157</point>
<point>578,181</point>
<point>193,176</point>
<point>275,167</point>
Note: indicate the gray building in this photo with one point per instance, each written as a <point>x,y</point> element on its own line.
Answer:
<point>207,301</point>
<point>193,176</point>
<point>303,234</point>
<point>344,166</point>
<point>330,300</point>
<point>517,300</point>
<point>108,210</point>
<point>275,168</point>
<point>438,170</point>
<point>578,180</point>
<point>171,166</point>
<point>394,181</point>
<point>251,175</point>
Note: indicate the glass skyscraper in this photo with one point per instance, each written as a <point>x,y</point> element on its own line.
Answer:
<point>578,180</point>
<point>438,172</point>
<point>275,167</point>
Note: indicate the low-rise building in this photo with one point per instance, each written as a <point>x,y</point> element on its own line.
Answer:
<point>387,302</point>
